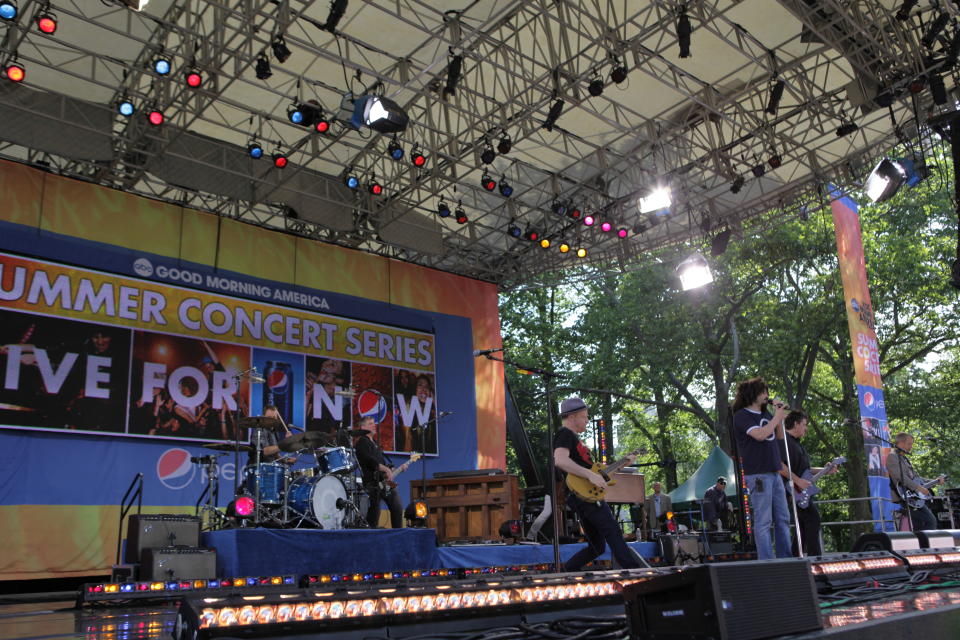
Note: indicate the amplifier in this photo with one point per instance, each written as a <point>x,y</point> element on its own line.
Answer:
<point>178,563</point>
<point>683,548</point>
<point>468,473</point>
<point>742,600</point>
<point>160,530</point>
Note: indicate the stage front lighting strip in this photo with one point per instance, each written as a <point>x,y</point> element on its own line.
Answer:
<point>853,568</point>
<point>422,574</point>
<point>938,561</point>
<point>175,589</point>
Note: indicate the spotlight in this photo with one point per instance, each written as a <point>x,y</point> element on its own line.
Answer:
<point>322,125</point>
<point>684,29</point>
<point>938,91</point>
<point>254,150</point>
<point>461,214</point>
<point>443,209</point>
<point>279,160</point>
<point>846,129</point>
<point>936,28</point>
<point>776,93</point>
<point>606,227</point>
<point>8,10</point>
<point>378,113</point>
<point>194,79</point>
<point>505,189</point>
<point>619,74</point>
<point>564,247</point>
<point>903,14</point>
<point>136,5</point>
<point>419,160</point>
<point>15,72</point>
<point>588,220</point>
<point>337,9</point>
<point>581,253</point>
<point>155,117</point>
<point>351,180</point>
<point>595,87</point>
<point>737,184</point>
<point>162,65</point>
<point>280,50</point>
<point>622,232</point>
<point>775,161</point>
<point>555,110</point>
<point>504,146</point>
<point>46,22</point>
<point>125,107</point>
<point>694,272</point>
<point>758,170</point>
<point>719,243</point>
<point>243,506</point>
<point>657,199</point>
<point>375,187</point>
<point>575,213</point>
<point>416,513</point>
<point>454,69</point>
<point>884,181</point>
<point>295,115</point>
<point>395,150</point>
<point>487,182</point>
<point>559,208</point>
<point>514,230</point>
<point>488,155</point>
<point>532,235</point>
<point>545,243</point>
<point>263,67</point>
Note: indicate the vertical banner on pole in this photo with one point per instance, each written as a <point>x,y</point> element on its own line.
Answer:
<point>866,360</point>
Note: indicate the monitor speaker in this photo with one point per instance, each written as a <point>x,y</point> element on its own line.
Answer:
<point>886,541</point>
<point>160,530</point>
<point>726,601</point>
<point>178,563</point>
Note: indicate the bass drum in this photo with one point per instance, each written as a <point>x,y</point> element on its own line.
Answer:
<point>317,499</point>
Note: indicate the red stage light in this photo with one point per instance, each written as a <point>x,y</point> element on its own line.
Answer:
<point>47,23</point>
<point>419,160</point>
<point>155,117</point>
<point>194,79</point>
<point>376,188</point>
<point>244,506</point>
<point>15,73</point>
<point>279,160</point>
<point>322,126</point>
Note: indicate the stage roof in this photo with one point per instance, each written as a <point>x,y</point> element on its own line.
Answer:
<point>699,124</point>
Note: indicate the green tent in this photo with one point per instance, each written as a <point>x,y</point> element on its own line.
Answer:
<point>717,464</point>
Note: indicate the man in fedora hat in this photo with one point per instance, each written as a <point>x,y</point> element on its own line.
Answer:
<point>596,518</point>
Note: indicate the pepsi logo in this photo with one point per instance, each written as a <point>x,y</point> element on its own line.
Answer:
<point>371,403</point>
<point>143,267</point>
<point>868,399</point>
<point>174,469</point>
<point>277,378</point>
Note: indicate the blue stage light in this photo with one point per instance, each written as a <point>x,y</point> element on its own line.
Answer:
<point>351,181</point>
<point>8,11</point>
<point>161,66</point>
<point>255,150</point>
<point>295,115</point>
<point>125,108</point>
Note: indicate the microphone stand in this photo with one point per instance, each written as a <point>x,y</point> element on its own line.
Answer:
<point>546,377</point>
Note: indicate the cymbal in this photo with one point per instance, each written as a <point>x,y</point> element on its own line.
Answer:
<point>259,422</point>
<point>307,440</point>
<point>226,446</point>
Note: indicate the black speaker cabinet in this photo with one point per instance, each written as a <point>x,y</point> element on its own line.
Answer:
<point>683,548</point>
<point>161,530</point>
<point>726,601</point>
<point>178,563</point>
<point>886,541</point>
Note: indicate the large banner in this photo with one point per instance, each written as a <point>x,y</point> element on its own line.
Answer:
<point>86,351</point>
<point>866,359</point>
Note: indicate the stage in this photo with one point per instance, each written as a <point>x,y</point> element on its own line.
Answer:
<point>261,551</point>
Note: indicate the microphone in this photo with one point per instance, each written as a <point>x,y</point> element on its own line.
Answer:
<point>254,376</point>
<point>445,413</point>
<point>484,352</point>
<point>343,504</point>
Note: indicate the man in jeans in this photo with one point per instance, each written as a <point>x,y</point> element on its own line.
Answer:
<point>756,433</point>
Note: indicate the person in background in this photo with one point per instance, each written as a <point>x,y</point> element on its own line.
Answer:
<point>716,505</point>
<point>655,509</point>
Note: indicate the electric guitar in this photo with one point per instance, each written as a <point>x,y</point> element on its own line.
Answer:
<point>586,489</point>
<point>386,486</point>
<point>802,498</point>
<point>915,499</point>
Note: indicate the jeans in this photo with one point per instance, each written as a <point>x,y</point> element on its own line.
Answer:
<point>921,519</point>
<point>600,529</point>
<point>768,501</point>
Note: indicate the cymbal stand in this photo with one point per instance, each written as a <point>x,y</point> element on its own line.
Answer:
<point>209,514</point>
<point>256,476</point>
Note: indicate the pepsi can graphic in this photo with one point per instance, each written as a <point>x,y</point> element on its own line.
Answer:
<point>277,389</point>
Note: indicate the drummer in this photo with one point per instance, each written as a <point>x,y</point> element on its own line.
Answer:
<point>270,437</point>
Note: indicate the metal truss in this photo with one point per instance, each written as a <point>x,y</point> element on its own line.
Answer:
<point>699,124</point>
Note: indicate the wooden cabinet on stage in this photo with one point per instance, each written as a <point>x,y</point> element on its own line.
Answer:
<point>469,507</point>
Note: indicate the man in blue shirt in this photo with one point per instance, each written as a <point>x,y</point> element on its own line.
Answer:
<point>756,433</point>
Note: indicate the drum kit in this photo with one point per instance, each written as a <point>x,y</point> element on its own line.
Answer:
<point>325,495</point>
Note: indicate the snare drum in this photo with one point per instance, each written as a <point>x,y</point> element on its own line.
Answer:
<point>317,498</point>
<point>270,475</point>
<point>336,460</point>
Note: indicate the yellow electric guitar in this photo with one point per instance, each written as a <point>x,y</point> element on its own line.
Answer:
<point>586,489</point>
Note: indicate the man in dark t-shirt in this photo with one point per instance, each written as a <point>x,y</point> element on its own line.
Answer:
<point>377,473</point>
<point>808,518</point>
<point>756,431</point>
<point>599,526</point>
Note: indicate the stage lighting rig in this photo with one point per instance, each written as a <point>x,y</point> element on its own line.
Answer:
<point>553,115</point>
<point>487,182</point>
<point>684,29</point>
<point>506,189</point>
<point>374,187</point>
<point>656,200</point>
<point>193,78</point>
<point>454,71</point>
<point>623,232</point>
<point>488,155</point>
<point>394,150</point>
<point>255,150</point>
<point>155,117</point>
<point>564,247</point>
<point>606,226</point>
<point>443,209</point>
<point>416,156</point>
<point>461,219</point>
<point>737,185</point>
<point>595,88</point>
<point>694,272</point>
<point>776,94</point>
<point>589,220</point>
<point>885,180</point>
<point>513,230</point>
<point>280,160</point>
<point>162,65</point>
<point>46,21</point>
<point>9,11</point>
<point>136,5</point>
<point>379,113</point>
<point>581,253</point>
<point>545,243</point>
<point>505,145</point>
<point>263,70</point>
<point>619,73</point>
<point>280,50</point>
<point>936,28</point>
<point>337,9</point>
<point>15,71</point>
<point>125,107</point>
<point>351,180</point>
<point>846,129</point>
<point>532,235</point>
<point>903,14</point>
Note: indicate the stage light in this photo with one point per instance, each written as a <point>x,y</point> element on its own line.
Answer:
<point>619,74</point>
<point>936,28</point>
<point>564,247</point>
<point>588,220</point>
<point>505,189</point>
<point>775,161</point>
<point>505,145</point>
<point>46,21</point>
<point>243,506</point>
<point>684,29</point>
<point>375,187</point>
<point>395,150</point>
<point>9,11</point>
<point>279,160</point>
<point>656,200</point>
<point>553,115</point>
<point>443,209</point>
<point>155,117</point>
<point>125,107</point>
<point>15,72</point>
<point>884,181</point>
<point>595,88</point>
<point>758,171</point>
<point>280,50</point>
<point>575,213</point>
<point>488,155</point>
<point>254,150</point>
<point>294,114</point>
<point>263,67</point>
<point>776,94</point>
<point>322,125</point>
<point>419,160</point>
<point>162,65</point>
<point>545,243</point>
<point>136,5</point>
<point>337,9</point>
<point>694,272</point>
<point>606,227</point>
<point>719,243</point>
<point>559,208</point>
<point>454,70</point>
<point>581,253</point>
<point>903,14</point>
<point>532,235</point>
<point>351,180</point>
<point>938,91</point>
<point>376,112</point>
<point>487,182</point>
<point>737,184</point>
<point>194,79</point>
<point>461,219</point>
<point>846,129</point>
<point>622,232</point>
<point>514,230</point>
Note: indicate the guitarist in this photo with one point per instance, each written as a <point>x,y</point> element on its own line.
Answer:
<point>596,518</point>
<point>376,472</point>
<point>902,473</point>
<point>808,519</point>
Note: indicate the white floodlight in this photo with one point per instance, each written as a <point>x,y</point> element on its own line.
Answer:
<point>656,200</point>
<point>694,272</point>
